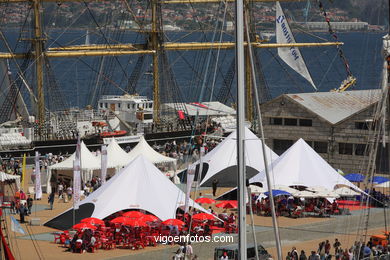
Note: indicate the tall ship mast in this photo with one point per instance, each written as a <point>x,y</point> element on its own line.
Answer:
<point>44,90</point>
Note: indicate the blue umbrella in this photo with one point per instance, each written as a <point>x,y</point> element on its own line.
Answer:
<point>379,179</point>
<point>355,177</point>
<point>277,193</point>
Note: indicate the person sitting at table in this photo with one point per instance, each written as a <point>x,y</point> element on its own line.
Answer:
<point>73,243</point>
<point>91,243</point>
<point>232,218</point>
<point>335,206</point>
<point>207,230</point>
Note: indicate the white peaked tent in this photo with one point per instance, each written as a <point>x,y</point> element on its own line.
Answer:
<point>300,165</point>
<point>144,148</point>
<point>9,177</point>
<point>116,156</point>
<point>140,185</point>
<point>89,163</point>
<point>221,162</point>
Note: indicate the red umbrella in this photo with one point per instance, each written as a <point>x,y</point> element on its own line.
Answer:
<point>93,221</point>
<point>203,216</point>
<point>133,214</point>
<point>135,222</point>
<point>84,226</point>
<point>173,222</point>
<point>149,218</point>
<point>120,220</point>
<point>228,204</point>
<point>205,200</point>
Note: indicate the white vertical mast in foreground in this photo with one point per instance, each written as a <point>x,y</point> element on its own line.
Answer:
<point>261,130</point>
<point>242,247</point>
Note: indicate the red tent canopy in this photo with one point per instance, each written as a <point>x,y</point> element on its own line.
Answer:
<point>205,200</point>
<point>227,204</point>
<point>84,226</point>
<point>93,221</point>
<point>133,214</point>
<point>173,222</point>
<point>149,218</point>
<point>203,216</point>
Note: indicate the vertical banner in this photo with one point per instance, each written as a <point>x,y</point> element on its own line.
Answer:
<point>104,164</point>
<point>76,183</point>
<point>38,187</point>
<point>190,178</point>
<point>23,170</point>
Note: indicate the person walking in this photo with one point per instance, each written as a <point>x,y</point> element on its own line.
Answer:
<point>302,256</point>
<point>29,203</point>
<point>189,252</point>
<point>22,212</point>
<point>214,185</point>
<point>69,192</point>
<point>51,200</point>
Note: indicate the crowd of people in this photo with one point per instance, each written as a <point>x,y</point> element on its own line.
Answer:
<point>21,204</point>
<point>326,251</point>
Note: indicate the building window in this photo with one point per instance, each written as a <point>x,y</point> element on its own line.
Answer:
<point>101,105</point>
<point>290,121</point>
<point>133,106</point>
<point>305,122</point>
<point>128,106</point>
<point>360,149</point>
<point>105,105</point>
<point>345,148</point>
<point>276,121</point>
<point>321,147</point>
<point>119,105</point>
<point>280,146</point>
<point>361,125</point>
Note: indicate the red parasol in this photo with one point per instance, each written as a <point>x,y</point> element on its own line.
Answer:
<point>120,220</point>
<point>135,222</point>
<point>84,226</point>
<point>93,221</point>
<point>203,216</point>
<point>133,214</point>
<point>205,200</point>
<point>173,222</point>
<point>149,218</point>
<point>227,204</point>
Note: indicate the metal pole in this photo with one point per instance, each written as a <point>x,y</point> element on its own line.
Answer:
<point>252,221</point>
<point>241,180</point>
<point>261,130</point>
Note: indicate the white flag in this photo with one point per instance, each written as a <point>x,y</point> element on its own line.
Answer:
<point>76,183</point>
<point>104,164</point>
<point>38,187</point>
<point>290,55</point>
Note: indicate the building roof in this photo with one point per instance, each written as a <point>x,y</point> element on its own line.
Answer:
<point>334,107</point>
<point>213,108</point>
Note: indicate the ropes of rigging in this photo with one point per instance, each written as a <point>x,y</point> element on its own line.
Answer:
<point>334,35</point>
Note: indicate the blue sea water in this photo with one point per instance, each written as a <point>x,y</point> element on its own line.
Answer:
<point>83,80</point>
